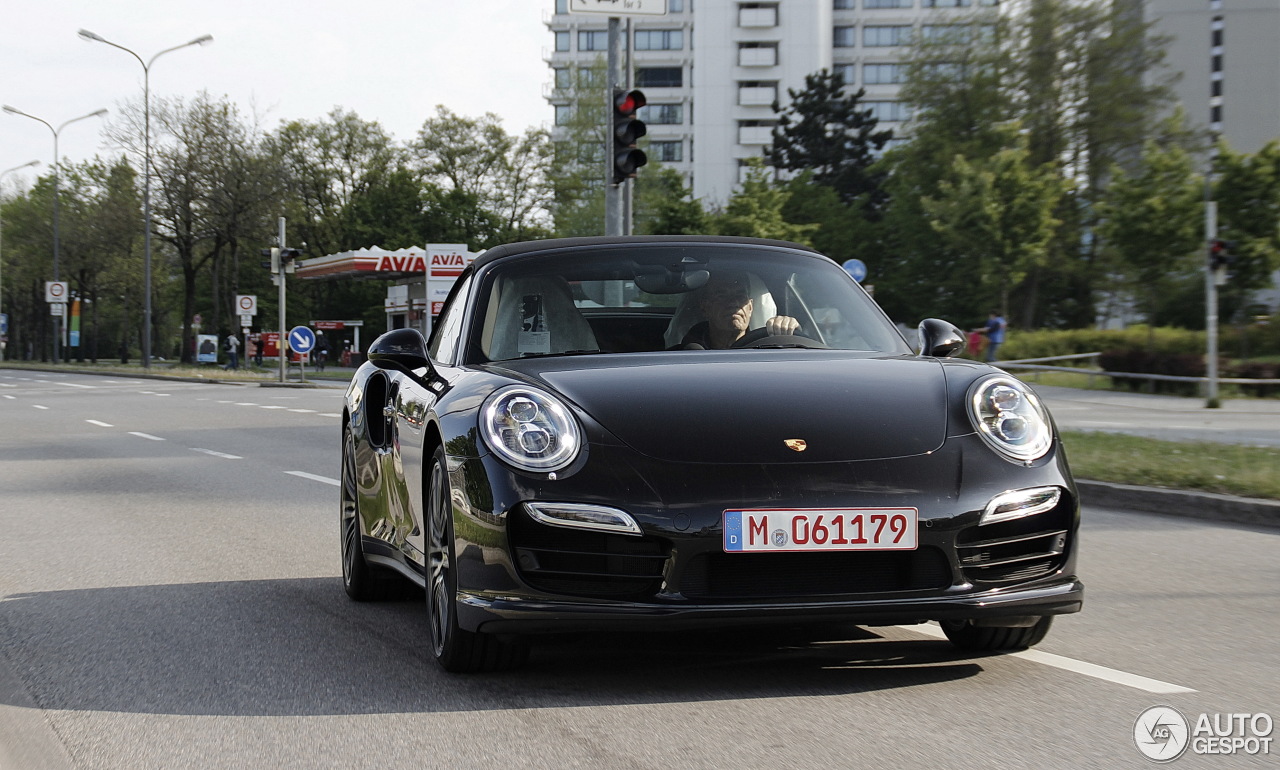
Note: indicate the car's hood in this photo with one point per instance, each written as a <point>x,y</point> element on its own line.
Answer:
<point>744,407</point>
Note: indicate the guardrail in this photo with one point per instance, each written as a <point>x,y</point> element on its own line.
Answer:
<point>1035,364</point>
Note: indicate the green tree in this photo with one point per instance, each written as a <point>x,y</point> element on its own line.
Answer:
<point>827,131</point>
<point>756,210</point>
<point>1248,195</point>
<point>1000,211</point>
<point>1152,220</point>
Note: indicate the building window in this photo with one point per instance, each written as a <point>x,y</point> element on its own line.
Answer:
<point>843,5</point>
<point>661,114</point>
<point>757,15</point>
<point>886,3</point>
<point>757,54</point>
<point>1215,88</point>
<point>988,3</point>
<point>675,6</point>
<point>562,6</point>
<point>562,41</point>
<point>888,112</point>
<point>667,152</point>
<point>659,40</point>
<point>848,73</point>
<point>879,36</point>
<point>1216,63</point>
<point>945,33</point>
<point>564,77</point>
<point>1217,38</point>
<point>590,78</point>
<point>845,37</point>
<point>564,114</point>
<point>593,40</point>
<point>1215,114</point>
<point>590,152</point>
<point>659,77</point>
<point>947,3</point>
<point>752,93</point>
<point>882,74</point>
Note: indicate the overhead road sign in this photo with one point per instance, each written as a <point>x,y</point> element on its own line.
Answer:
<point>620,7</point>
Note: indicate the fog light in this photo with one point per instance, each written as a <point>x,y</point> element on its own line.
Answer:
<point>1018,503</point>
<point>582,516</point>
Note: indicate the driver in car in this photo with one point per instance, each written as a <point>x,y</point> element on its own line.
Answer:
<point>726,303</point>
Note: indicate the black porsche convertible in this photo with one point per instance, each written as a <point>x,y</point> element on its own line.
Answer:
<point>670,432</point>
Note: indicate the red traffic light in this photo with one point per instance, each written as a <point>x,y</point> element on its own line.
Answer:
<point>627,102</point>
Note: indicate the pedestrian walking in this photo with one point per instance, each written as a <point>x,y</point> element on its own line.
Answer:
<point>233,352</point>
<point>994,330</point>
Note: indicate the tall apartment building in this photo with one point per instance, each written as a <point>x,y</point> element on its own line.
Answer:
<point>1228,53</point>
<point>711,69</point>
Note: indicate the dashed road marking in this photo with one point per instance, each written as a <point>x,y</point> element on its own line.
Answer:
<point>100,423</point>
<point>244,403</point>
<point>75,385</point>
<point>223,455</point>
<point>303,411</point>
<point>1078,666</point>
<point>330,414</point>
<point>313,477</point>
<point>11,398</point>
<point>39,406</point>
<point>145,435</point>
<point>273,407</point>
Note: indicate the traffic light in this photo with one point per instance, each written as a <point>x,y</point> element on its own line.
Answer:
<point>289,257</point>
<point>627,128</point>
<point>274,256</point>
<point>1220,256</point>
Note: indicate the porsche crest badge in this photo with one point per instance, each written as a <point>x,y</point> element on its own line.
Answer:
<point>796,444</point>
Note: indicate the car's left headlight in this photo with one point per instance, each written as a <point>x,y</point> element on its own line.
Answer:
<point>1010,418</point>
<point>530,429</point>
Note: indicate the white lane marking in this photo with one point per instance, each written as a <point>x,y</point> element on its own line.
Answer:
<point>303,411</point>
<point>38,406</point>
<point>11,398</point>
<point>313,477</point>
<point>226,402</point>
<point>1078,666</point>
<point>145,435</point>
<point>75,385</point>
<point>100,423</point>
<point>330,414</point>
<point>7,385</point>
<point>244,403</point>
<point>223,455</point>
<point>273,407</point>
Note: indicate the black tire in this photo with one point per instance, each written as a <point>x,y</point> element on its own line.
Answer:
<point>967,636</point>
<point>357,577</point>
<point>456,650</point>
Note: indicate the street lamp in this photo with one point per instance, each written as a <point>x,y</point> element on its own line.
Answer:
<point>3,174</point>
<point>57,340</point>
<point>146,195</point>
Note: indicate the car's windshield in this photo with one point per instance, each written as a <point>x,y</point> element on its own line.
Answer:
<point>649,297</point>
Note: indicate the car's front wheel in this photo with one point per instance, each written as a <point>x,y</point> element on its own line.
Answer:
<point>968,636</point>
<point>455,649</point>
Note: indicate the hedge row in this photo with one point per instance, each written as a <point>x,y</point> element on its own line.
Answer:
<point>1258,341</point>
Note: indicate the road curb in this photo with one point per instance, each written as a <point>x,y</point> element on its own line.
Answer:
<point>1176,502</point>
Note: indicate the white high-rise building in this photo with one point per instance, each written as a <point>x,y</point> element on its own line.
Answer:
<point>711,69</point>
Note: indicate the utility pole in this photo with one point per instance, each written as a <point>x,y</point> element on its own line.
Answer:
<point>612,190</point>
<point>284,338</point>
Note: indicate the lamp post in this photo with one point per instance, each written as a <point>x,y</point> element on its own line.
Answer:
<point>57,339</point>
<point>146,186</point>
<point>3,174</point>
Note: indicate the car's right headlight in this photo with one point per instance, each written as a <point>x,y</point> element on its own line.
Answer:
<point>1010,418</point>
<point>530,429</point>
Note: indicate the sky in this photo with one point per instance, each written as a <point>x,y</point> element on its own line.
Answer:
<point>390,61</point>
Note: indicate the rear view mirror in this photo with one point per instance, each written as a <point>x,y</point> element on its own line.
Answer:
<point>656,279</point>
<point>939,338</point>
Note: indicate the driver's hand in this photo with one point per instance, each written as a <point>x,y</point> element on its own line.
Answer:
<point>781,325</point>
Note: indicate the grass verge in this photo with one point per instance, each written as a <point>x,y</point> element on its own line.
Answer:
<point>1204,466</point>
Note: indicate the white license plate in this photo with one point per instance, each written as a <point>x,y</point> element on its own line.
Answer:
<point>820,529</point>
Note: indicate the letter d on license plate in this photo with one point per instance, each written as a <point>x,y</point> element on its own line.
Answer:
<point>824,529</point>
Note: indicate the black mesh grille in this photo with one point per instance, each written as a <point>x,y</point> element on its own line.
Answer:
<point>783,575</point>
<point>562,560</point>
<point>1021,557</point>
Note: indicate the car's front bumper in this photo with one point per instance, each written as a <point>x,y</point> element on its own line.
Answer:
<point>521,615</point>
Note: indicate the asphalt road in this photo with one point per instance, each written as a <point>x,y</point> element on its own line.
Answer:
<point>170,597</point>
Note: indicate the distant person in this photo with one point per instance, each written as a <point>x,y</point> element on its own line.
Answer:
<point>322,352</point>
<point>994,330</point>
<point>233,352</point>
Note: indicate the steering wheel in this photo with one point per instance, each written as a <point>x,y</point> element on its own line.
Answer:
<point>761,338</point>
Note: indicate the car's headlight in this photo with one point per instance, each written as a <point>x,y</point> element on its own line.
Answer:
<point>1010,418</point>
<point>530,429</point>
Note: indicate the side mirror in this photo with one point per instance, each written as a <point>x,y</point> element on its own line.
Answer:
<point>406,347</point>
<point>939,338</point>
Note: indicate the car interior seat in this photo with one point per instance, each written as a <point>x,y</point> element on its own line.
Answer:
<point>533,315</point>
<point>689,311</point>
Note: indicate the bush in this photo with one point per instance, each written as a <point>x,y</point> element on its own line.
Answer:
<point>1044,343</point>
<point>1141,361</point>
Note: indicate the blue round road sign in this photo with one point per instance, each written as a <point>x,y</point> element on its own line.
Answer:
<point>856,269</point>
<point>302,339</point>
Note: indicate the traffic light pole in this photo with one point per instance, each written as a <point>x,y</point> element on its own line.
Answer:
<point>1210,302</point>
<point>612,191</point>
<point>280,348</point>
<point>628,190</point>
